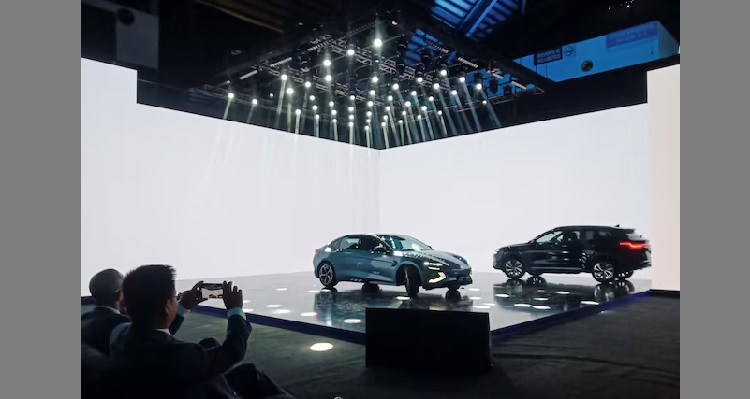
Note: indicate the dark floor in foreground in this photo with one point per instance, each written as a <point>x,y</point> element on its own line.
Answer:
<point>631,351</point>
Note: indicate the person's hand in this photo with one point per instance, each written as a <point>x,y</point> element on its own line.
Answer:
<point>192,297</point>
<point>232,295</point>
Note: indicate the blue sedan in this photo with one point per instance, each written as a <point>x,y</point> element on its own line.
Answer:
<point>391,260</point>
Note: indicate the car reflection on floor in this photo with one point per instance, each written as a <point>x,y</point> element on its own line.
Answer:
<point>535,295</point>
<point>346,309</point>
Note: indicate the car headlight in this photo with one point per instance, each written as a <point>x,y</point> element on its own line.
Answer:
<point>433,265</point>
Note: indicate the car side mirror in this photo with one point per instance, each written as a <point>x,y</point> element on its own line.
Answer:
<point>380,250</point>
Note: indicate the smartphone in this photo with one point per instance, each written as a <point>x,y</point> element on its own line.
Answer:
<point>212,290</point>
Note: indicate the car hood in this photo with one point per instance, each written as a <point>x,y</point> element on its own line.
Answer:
<point>512,247</point>
<point>439,256</point>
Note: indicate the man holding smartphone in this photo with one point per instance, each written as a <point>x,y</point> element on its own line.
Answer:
<point>162,365</point>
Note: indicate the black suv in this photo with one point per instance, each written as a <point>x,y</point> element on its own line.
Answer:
<point>607,253</point>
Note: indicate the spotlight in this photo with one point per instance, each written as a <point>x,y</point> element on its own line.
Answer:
<point>331,103</point>
<point>351,117</point>
<point>413,93</point>
<point>462,79</point>
<point>400,121</point>
<point>334,112</point>
<point>289,91</point>
<point>270,95</point>
<point>369,104</point>
<point>327,62</point>
<point>390,98</point>
<point>423,108</point>
<point>430,98</point>
<point>395,86</point>
<point>334,121</point>
<point>377,43</point>
<point>387,109</point>
<point>440,112</point>
<point>372,93</point>
<point>255,101</point>
<point>419,117</point>
<point>407,104</point>
<point>350,109</point>
<point>230,95</point>
<point>419,79</point>
<point>284,77</point>
<point>317,116</point>
<point>350,51</point>
<point>484,102</point>
<point>367,127</point>
<point>369,113</point>
<point>443,72</point>
<point>382,124</point>
<point>308,84</point>
<point>385,117</point>
<point>436,86</point>
<point>479,86</point>
<point>314,107</point>
<point>454,93</point>
<point>351,124</point>
<point>367,121</point>
<point>374,79</point>
<point>312,98</point>
<point>328,78</point>
<point>298,111</point>
<point>403,112</point>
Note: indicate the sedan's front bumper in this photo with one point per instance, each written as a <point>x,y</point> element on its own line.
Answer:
<point>450,278</point>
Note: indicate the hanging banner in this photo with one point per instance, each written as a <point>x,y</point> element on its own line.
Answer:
<point>548,56</point>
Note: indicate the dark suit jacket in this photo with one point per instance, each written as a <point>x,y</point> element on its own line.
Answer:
<point>176,369</point>
<point>97,326</point>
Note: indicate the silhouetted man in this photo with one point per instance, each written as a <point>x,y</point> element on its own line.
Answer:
<point>106,289</point>
<point>168,367</point>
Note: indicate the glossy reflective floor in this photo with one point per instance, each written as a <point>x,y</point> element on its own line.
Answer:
<point>299,297</point>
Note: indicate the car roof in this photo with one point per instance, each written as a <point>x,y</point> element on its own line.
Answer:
<point>591,227</point>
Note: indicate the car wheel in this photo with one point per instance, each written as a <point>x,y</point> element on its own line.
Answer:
<point>453,295</point>
<point>327,275</point>
<point>604,271</point>
<point>625,275</point>
<point>514,269</point>
<point>411,281</point>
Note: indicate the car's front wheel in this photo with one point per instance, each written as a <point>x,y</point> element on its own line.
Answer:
<point>412,281</point>
<point>327,275</point>
<point>514,269</point>
<point>604,271</point>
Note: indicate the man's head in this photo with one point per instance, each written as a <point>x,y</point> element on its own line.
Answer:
<point>106,288</point>
<point>150,296</point>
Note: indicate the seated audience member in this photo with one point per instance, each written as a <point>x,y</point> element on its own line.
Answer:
<point>106,289</point>
<point>172,368</point>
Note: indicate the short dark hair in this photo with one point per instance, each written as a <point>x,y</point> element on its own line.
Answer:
<point>105,287</point>
<point>146,291</point>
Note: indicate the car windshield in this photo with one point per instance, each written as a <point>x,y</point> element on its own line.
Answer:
<point>403,243</point>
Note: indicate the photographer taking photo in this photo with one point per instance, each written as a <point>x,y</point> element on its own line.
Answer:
<point>161,365</point>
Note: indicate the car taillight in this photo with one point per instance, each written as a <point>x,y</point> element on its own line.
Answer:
<point>634,245</point>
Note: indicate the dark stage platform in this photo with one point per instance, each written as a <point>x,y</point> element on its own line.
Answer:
<point>297,301</point>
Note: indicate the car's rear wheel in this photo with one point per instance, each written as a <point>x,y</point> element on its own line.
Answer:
<point>625,275</point>
<point>327,275</point>
<point>412,281</point>
<point>604,271</point>
<point>514,269</point>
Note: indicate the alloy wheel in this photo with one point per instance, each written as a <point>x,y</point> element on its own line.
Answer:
<point>604,271</point>
<point>326,274</point>
<point>514,268</point>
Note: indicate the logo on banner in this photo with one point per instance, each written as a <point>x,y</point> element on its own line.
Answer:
<point>633,34</point>
<point>569,51</point>
<point>548,56</point>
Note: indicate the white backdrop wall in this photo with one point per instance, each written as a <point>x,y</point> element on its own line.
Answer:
<point>213,198</point>
<point>221,199</point>
<point>473,194</point>
<point>664,125</point>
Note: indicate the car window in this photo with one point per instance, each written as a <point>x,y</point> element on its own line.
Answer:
<point>568,235</point>
<point>368,243</point>
<point>349,243</point>
<point>549,236</point>
<point>589,234</point>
